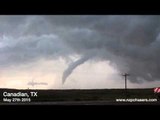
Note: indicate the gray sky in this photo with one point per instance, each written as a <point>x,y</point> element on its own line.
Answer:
<point>80,51</point>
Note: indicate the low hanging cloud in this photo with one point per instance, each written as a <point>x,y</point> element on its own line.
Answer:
<point>130,43</point>
<point>37,83</point>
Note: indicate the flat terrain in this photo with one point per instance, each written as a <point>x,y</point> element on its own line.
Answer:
<point>81,97</point>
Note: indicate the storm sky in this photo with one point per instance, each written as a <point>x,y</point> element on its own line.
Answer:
<point>79,51</point>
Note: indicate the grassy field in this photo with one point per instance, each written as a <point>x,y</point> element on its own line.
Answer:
<point>84,95</point>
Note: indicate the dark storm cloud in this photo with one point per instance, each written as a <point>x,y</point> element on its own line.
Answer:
<point>130,43</point>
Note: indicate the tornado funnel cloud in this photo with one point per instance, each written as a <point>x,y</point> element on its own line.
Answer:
<point>74,65</point>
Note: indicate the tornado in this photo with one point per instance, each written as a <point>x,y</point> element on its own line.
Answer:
<point>74,65</point>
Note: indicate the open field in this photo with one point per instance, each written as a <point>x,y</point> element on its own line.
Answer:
<point>98,96</point>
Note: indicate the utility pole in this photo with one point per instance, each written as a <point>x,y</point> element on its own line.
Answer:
<point>125,78</point>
